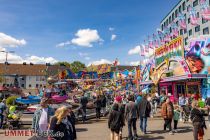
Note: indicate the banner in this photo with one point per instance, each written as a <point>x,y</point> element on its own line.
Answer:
<point>146,47</point>
<point>161,36</point>
<point>197,55</point>
<point>182,21</point>
<point>205,9</point>
<point>173,48</point>
<point>175,30</point>
<point>193,16</point>
<point>155,41</point>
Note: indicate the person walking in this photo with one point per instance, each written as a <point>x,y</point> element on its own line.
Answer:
<point>198,121</point>
<point>115,122</point>
<point>103,104</point>
<point>41,117</point>
<point>176,118</point>
<point>208,106</point>
<point>2,111</point>
<point>131,115</point>
<point>83,107</point>
<point>72,119</point>
<point>61,125</point>
<point>98,105</point>
<point>144,112</point>
<point>182,103</point>
<point>167,114</point>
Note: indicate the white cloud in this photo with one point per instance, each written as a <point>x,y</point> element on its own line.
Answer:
<point>134,50</point>
<point>8,41</point>
<point>102,61</point>
<point>83,38</point>
<point>63,44</point>
<point>135,63</point>
<point>39,60</point>
<point>113,37</point>
<point>111,29</point>
<point>14,58</point>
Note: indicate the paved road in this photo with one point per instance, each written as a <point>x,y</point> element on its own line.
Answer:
<point>97,130</point>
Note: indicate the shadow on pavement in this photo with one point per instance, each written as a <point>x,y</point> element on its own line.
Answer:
<point>81,129</point>
<point>147,138</point>
<point>184,129</point>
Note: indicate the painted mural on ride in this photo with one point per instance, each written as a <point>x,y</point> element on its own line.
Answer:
<point>173,61</point>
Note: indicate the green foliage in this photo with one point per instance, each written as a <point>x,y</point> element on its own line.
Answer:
<point>11,100</point>
<point>67,64</point>
<point>77,66</point>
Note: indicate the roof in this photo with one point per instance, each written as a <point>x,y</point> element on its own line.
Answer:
<point>30,70</point>
<point>121,68</point>
<point>171,10</point>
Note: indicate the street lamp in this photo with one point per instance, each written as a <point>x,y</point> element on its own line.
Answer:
<point>6,63</point>
<point>7,52</point>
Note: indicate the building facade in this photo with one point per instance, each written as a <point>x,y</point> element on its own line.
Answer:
<point>27,76</point>
<point>191,31</point>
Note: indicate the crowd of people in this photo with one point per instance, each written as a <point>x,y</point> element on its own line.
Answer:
<point>144,106</point>
<point>126,109</point>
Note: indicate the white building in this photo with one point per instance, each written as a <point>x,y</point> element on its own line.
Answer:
<point>28,76</point>
<point>202,28</point>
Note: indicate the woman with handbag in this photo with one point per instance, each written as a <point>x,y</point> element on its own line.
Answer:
<point>198,121</point>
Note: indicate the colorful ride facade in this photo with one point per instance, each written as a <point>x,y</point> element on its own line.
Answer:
<point>175,69</point>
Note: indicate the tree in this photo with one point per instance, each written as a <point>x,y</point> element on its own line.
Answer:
<point>64,63</point>
<point>77,66</point>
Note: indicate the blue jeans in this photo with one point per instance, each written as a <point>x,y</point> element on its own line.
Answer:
<point>143,124</point>
<point>1,120</point>
<point>131,123</point>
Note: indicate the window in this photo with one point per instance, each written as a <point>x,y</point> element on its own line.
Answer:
<point>206,31</point>
<point>195,3</point>
<point>188,20</point>
<point>37,85</point>
<point>204,20</point>
<point>162,27</point>
<point>183,6</point>
<point>22,85</point>
<point>197,28</point>
<point>173,16</point>
<point>177,23</point>
<point>23,79</point>
<point>181,32</point>
<point>185,31</point>
<point>176,13</point>
<point>190,32</point>
<point>185,40</point>
<point>180,9</point>
<point>197,14</point>
<point>167,22</point>
<point>188,7</point>
<point>170,30</point>
<point>169,19</point>
<point>29,85</point>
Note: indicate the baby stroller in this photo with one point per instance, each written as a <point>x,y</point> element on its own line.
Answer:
<point>186,113</point>
<point>12,119</point>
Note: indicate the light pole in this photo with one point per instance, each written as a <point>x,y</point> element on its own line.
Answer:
<point>6,63</point>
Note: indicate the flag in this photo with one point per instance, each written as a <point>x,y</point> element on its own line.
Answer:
<point>175,31</point>
<point>150,43</point>
<point>146,47</point>
<point>193,16</point>
<point>161,36</point>
<point>142,50</point>
<point>205,9</point>
<point>155,41</point>
<point>115,62</point>
<point>167,35</point>
<point>182,21</point>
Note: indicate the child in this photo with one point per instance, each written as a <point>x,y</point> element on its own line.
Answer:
<point>176,117</point>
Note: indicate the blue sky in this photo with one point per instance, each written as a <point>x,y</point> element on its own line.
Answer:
<point>44,24</point>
